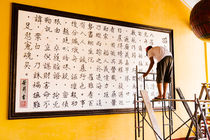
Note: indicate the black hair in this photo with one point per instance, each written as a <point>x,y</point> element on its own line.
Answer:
<point>147,49</point>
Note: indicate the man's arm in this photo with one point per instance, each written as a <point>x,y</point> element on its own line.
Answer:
<point>150,66</point>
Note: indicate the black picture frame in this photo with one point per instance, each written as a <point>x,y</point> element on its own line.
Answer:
<point>13,62</point>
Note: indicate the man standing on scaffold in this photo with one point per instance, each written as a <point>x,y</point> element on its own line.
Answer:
<point>164,68</point>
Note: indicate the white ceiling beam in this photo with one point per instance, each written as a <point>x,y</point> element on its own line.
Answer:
<point>190,3</point>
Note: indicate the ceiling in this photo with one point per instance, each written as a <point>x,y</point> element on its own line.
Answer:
<point>190,3</point>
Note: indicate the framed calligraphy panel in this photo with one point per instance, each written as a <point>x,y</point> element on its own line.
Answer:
<point>66,64</point>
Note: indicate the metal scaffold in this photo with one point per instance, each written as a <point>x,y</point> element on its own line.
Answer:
<point>147,105</point>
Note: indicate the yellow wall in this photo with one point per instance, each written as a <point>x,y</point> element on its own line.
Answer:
<point>189,68</point>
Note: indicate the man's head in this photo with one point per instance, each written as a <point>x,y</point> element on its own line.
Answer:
<point>148,48</point>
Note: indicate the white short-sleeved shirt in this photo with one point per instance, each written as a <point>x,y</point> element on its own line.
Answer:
<point>158,53</point>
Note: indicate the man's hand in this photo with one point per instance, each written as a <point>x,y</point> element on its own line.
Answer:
<point>144,75</point>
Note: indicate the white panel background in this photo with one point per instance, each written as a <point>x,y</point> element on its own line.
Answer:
<point>32,58</point>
